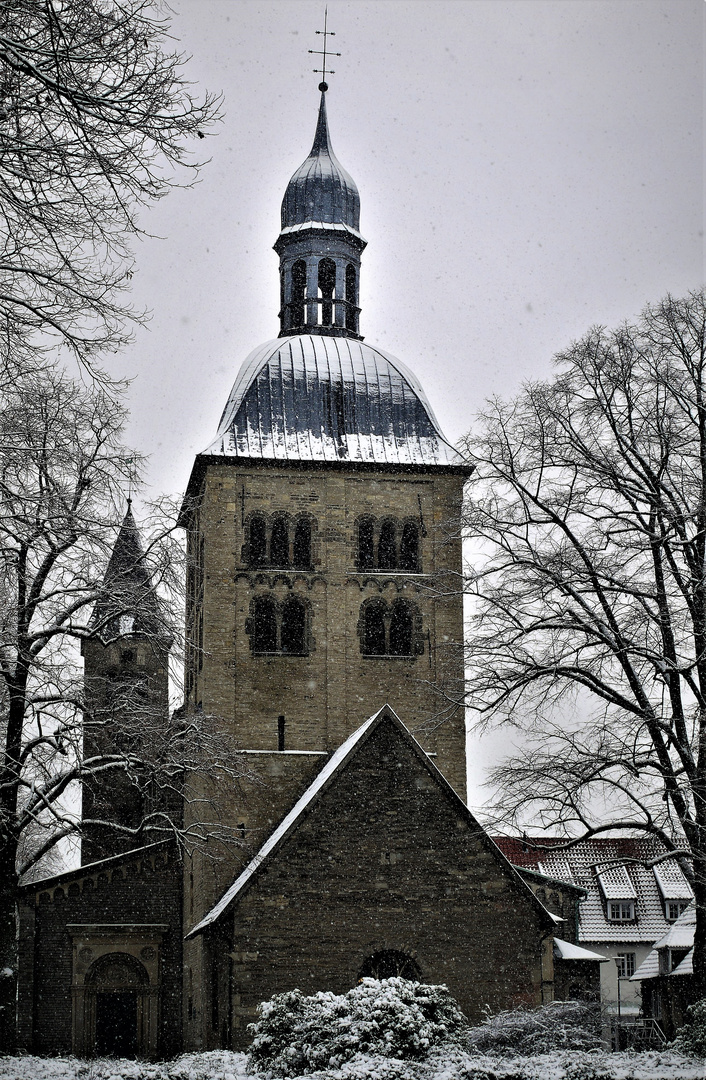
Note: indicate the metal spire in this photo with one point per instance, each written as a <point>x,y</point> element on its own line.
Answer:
<point>323,70</point>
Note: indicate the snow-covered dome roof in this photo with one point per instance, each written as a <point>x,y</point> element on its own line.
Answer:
<point>321,191</point>
<point>319,398</point>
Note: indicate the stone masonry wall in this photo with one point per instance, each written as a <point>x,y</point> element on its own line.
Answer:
<point>327,694</point>
<point>129,890</point>
<point>386,860</point>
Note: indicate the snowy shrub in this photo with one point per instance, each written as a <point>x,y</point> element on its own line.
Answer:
<point>691,1038</point>
<point>561,1025</point>
<point>392,1018</point>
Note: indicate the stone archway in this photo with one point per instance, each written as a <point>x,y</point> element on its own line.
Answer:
<point>115,988</point>
<point>116,1001</point>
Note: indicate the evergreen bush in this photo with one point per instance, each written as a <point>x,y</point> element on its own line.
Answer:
<point>392,1018</point>
<point>691,1038</point>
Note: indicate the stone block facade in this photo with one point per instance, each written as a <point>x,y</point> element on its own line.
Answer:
<point>110,929</point>
<point>385,860</point>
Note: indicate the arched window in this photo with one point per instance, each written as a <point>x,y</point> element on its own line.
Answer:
<point>387,546</point>
<point>366,553</point>
<point>390,964</point>
<point>374,628</point>
<point>327,283</point>
<point>351,298</point>
<point>409,547</point>
<point>293,634</point>
<point>302,545</point>
<point>263,625</point>
<point>258,540</point>
<point>401,629</point>
<point>279,543</point>
<point>298,292</point>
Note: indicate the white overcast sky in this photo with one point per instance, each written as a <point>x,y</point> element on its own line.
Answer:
<point>527,168</point>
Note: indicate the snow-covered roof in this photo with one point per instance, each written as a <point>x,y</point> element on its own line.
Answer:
<point>589,858</point>
<point>615,883</point>
<point>311,397</point>
<point>671,881</point>
<point>681,933</point>
<point>321,781</point>
<point>679,936</point>
<point>567,951</point>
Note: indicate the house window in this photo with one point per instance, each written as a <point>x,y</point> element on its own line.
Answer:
<point>366,543</point>
<point>401,630</point>
<point>351,298</point>
<point>263,631</point>
<point>390,630</point>
<point>409,547</point>
<point>374,629</point>
<point>279,541</point>
<point>389,964</point>
<point>302,545</point>
<point>625,962</point>
<point>298,293</point>
<point>674,908</point>
<point>278,629</point>
<point>293,632</point>
<point>389,545</point>
<point>621,910</point>
<point>327,282</point>
<point>258,540</point>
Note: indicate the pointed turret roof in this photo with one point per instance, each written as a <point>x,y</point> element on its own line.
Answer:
<point>321,191</point>
<point>128,603</point>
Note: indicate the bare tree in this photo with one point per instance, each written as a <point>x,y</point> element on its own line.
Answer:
<point>588,510</point>
<point>95,120</point>
<point>63,468</point>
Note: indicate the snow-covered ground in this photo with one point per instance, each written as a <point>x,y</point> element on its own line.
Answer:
<point>442,1065</point>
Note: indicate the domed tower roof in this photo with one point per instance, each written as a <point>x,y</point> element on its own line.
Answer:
<point>318,398</point>
<point>321,190</point>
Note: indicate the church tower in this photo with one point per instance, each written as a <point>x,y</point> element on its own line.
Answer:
<point>320,520</point>
<point>127,697</point>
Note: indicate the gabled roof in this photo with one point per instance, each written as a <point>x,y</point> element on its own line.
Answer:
<point>679,936</point>
<point>606,867</point>
<point>92,868</point>
<point>333,767</point>
<point>566,950</point>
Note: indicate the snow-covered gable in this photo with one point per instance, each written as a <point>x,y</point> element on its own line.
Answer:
<point>680,936</point>
<point>323,780</point>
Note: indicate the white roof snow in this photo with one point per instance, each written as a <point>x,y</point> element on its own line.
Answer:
<point>616,884</point>
<point>314,397</point>
<point>671,881</point>
<point>566,950</point>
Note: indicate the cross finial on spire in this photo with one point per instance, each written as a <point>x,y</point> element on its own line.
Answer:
<point>323,70</point>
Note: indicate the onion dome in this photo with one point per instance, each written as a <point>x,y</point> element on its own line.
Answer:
<point>319,398</point>
<point>321,190</point>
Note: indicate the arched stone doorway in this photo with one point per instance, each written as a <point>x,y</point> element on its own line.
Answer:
<point>390,963</point>
<point>115,989</point>
<point>117,995</point>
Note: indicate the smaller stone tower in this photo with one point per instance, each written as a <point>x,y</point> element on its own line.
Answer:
<point>127,703</point>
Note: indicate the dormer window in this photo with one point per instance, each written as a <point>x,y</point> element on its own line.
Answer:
<point>621,910</point>
<point>674,908</point>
